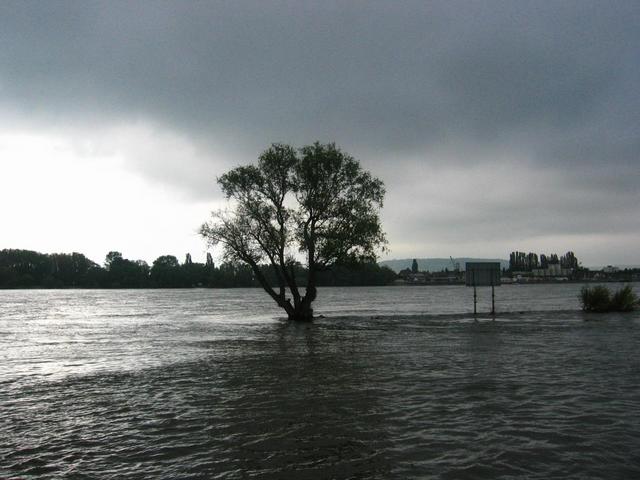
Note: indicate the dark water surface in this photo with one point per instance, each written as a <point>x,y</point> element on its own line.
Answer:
<point>393,383</point>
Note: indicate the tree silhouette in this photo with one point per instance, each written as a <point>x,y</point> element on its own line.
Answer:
<point>316,202</point>
<point>414,266</point>
<point>166,272</point>
<point>29,269</point>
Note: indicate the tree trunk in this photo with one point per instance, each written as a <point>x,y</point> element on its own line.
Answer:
<point>304,312</point>
<point>301,311</point>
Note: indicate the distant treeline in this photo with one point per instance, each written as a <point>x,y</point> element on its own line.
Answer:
<point>526,262</point>
<point>29,269</point>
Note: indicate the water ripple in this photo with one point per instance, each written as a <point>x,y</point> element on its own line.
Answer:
<point>536,395</point>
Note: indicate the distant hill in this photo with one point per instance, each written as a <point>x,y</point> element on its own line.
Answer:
<point>437,264</point>
<point>600,267</point>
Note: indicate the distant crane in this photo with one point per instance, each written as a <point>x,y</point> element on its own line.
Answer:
<point>455,265</point>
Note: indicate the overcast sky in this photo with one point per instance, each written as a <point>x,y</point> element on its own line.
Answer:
<point>496,126</point>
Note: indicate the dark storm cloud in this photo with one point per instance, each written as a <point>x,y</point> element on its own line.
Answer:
<point>393,82</point>
<point>382,75</point>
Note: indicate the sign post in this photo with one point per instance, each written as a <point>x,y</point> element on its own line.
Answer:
<point>493,300</point>
<point>479,274</point>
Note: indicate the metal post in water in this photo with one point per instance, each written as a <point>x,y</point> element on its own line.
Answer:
<point>493,300</point>
<point>475,297</point>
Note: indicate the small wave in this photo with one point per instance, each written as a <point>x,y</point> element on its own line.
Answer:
<point>536,393</point>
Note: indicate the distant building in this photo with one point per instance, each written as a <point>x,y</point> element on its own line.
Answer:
<point>417,278</point>
<point>555,270</point>
<point>610,269</point>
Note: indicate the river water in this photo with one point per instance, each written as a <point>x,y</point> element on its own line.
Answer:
<point>393,382</point>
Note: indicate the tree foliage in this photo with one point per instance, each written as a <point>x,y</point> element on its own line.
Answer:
<point>316,204</point>
<point>29,269</point>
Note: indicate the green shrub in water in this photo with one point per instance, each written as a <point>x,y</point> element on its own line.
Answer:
<point>599,299</point>
<point>624,300</point>
<point>595,299</point>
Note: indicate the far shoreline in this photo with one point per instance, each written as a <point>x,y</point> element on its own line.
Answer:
<point>406,285</point>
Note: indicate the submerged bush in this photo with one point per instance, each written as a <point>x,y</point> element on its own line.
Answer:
<point>624,300</point>
<point>595,299</point>
<point>599,299</point>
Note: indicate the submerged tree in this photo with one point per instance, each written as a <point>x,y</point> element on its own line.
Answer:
<point>316,203</point>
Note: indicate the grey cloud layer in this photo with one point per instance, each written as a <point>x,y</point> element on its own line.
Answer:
<point>384,75</point>
<point>555,82</point>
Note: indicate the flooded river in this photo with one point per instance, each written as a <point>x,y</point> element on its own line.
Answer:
<point>397,382</point>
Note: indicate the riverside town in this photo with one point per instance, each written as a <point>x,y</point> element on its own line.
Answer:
<point>523,268</point>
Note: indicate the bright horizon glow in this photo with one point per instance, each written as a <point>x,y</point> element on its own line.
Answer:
<point>59,199</point>
<point>67,195</point>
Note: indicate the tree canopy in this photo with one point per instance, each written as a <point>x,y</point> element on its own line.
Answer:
<point>29,269</point>
<point>314,206</point>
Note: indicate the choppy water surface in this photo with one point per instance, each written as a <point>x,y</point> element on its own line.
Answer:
<point>392,383</point>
